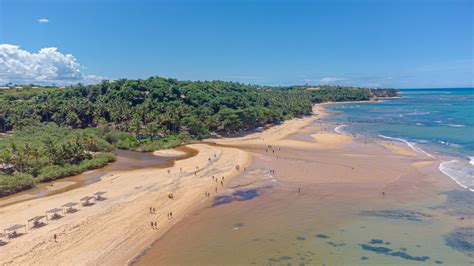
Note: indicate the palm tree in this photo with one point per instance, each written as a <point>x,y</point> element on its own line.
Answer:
<point>151,130</point>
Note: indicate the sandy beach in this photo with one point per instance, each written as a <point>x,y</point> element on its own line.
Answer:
<point>334,169</point>
<point>113,231</point>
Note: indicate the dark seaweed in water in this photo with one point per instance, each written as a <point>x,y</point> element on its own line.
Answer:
<point>240,195</point>
<point>461,239</point>
<point>336,244</point>
<point>459,203</point>
<point>406,256</point>
<point>398,214</point>
<point>378,250</point>
<point>301,238</point>
<point>376,241</point>
<point>322,236</point>
<point>389,252</point>
<point>245,194</point>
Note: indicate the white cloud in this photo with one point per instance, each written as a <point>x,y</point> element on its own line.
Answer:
<point>331,80</point>
<point>43,20</point>
<point>47,66</point>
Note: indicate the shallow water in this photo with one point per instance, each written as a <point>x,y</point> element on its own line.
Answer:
<point>330,222</point>
<point>438,121</point>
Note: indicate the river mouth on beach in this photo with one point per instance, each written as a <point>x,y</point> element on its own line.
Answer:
<point>125,161</point>
<point>339,217</point>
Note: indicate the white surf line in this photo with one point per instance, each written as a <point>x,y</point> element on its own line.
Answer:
<point>411,145</point>
<point>338,129</point>
<point>443,170</point>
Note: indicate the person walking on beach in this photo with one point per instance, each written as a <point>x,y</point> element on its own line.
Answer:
<point>299,190</point>
<point>55,238</point>
<point>152,225</point>
<point>150,210</point>
<point>156,225</point>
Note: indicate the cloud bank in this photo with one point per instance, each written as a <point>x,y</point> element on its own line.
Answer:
<point>47,66</point>
<point>331,80</point>
<point>43,20</point>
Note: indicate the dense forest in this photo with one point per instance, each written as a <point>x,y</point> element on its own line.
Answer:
<point>51,132</point>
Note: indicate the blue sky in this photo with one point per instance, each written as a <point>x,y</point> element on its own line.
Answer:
<point>365,43</point>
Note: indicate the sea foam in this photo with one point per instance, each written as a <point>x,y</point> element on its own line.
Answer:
<point>411,145</point>
<point>339,130</point>
<point>462,173</point>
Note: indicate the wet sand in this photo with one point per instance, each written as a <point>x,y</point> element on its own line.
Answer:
<point>360,203</point>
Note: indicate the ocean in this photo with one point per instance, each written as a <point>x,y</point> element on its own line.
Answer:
<point>436,122</point>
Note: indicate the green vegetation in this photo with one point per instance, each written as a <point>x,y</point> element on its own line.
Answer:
<point>56,132</point>
<point>44,153</point>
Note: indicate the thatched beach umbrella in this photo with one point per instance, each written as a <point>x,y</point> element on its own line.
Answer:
<point>37,221</point>
<point>69,207</point>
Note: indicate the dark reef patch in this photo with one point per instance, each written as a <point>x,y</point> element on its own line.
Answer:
<point>389,252</point>
<point>378,250</point>
<point>239,195</point>
<point>376,241</point>
<point>364,258</point>
<point>438,262</point>
<point>398,214</point>
<point>462,240</point>
<point>336,244</point>
<point>406,256</point>
<point>322,236</point>
<point>301,238</point>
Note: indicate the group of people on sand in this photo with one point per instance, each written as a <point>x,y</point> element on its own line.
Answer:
<point>154,224</point>
<point>271,149</point>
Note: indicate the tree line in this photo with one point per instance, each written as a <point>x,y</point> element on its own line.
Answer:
<point>50,132</point>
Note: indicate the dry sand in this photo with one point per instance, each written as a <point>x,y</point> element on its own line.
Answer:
<point>277,132</point>
<point>169,153</point>
<point>115,230</point>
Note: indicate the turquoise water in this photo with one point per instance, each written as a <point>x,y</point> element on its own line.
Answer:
<point>439,122</point>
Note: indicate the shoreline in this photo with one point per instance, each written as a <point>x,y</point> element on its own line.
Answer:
<point>442,159</point>
<point>332,171</point>
<point>131,203</point>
